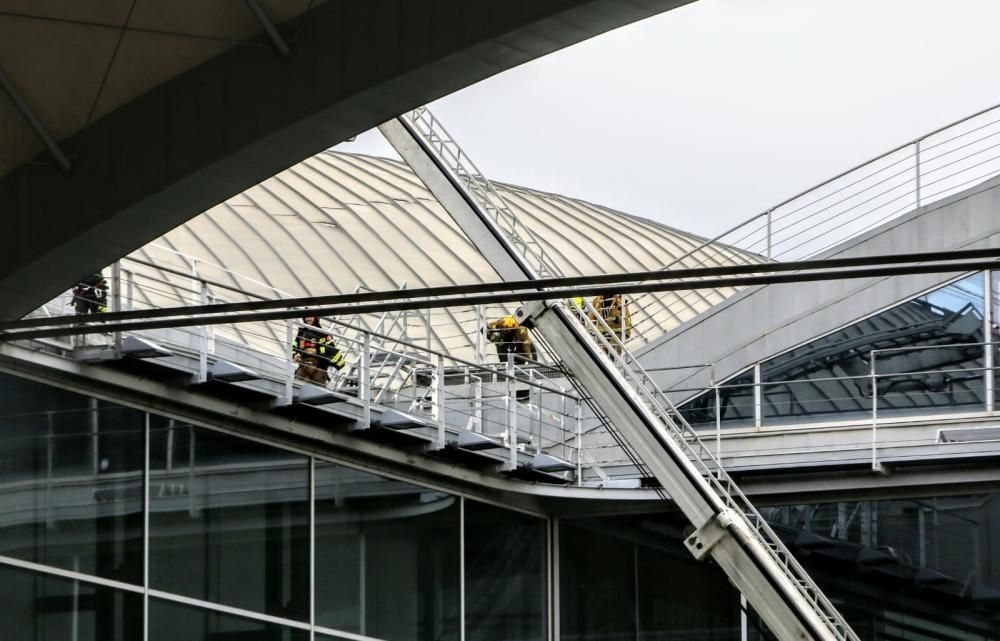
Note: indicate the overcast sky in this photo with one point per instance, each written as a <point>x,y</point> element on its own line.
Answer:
<point>710,113</point>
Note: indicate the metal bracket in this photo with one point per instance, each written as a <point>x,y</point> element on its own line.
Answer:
<point>882,469</point>
<point>703,539</point>
<point>526,313</point>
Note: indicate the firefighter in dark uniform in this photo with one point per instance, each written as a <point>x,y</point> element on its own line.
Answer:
<point>314,351</point>
<point>90,296</point>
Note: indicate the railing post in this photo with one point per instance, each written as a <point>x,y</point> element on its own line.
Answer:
<point>480,335</point>
<point>876,466</point>
<point>562,414</point>
<point>916,165</point>
<point>579,442</point>
<point>718,423</point>
<point>511,411</point>
<point>768,254</point>
<point>116,302</point>
<point>478,399</point>
<point>129,290</point>
<point>203,337</point>
<point>535,394</point>
<point>364,381</point>
<point>438,396</point>
<point>195,281</point>
<point>290,373</point>
<point>988,355</point>
<point>758,398</point>
<point>427,328</point>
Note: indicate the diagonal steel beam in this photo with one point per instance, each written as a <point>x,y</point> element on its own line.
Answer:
<point>265,23</point>
<point>36,124</point>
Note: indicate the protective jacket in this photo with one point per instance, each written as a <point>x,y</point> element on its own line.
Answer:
<point>314,345</point>
<point>614,313</point>
<point>510,338</point>
<point>90,295</point>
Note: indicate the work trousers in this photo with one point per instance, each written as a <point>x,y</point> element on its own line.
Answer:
<point>310,370</point>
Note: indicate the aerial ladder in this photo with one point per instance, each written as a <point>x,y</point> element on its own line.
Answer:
<point>726,525</point>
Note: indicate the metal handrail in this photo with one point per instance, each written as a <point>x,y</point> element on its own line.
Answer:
<point>774,233</point>
<point>690,442</point>
<point>489,199</point>
<point>195,342</point>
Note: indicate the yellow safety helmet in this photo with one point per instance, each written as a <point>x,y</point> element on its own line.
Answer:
<point>507,322</point>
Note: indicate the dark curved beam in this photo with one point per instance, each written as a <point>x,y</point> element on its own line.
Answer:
<point>247,114</point>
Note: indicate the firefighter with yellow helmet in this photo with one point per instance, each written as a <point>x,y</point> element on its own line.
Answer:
<point>510,338</point>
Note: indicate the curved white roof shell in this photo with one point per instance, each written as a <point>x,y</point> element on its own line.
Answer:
<point>338,222</point>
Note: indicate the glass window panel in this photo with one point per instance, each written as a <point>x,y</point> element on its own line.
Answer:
<point>169,621</point>
<point>228,520</point>
<point>70,480</point>
<point>703,605</point>
<point>735,402</point>
<point>596,585</point>
<point>925,567</point>
<point>39,607</point>
<point>921,359</point>
<point>995,334</point>
<point>505,575</point>
<point>630,578</point>
<point>330,636</point>
<point>387,561</point>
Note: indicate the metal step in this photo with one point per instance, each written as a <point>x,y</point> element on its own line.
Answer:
<point>135,347</point>
<point>396,420</point>
<point>472,449</point>
<point>547,463</point>
<point>230,372</point>
<point>527,473</point>
<point>402,438</point>
<point>474,442</point>
<point>310,394</point>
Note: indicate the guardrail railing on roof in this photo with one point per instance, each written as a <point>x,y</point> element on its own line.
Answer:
<point>527,406</point>
<point>915,174</point>
<point>924,170</point>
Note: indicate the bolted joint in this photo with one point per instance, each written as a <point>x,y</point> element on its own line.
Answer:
<point>526,313</point>
<point>702,540</point>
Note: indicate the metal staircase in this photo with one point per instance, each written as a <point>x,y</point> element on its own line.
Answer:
<point>486,197</point>
<point>727,526</point>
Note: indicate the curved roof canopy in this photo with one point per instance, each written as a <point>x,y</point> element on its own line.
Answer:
<point>339,222</point>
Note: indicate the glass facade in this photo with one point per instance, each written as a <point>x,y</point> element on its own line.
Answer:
<point>228,520</point>
<point>173,621</point>
<point>928,357</point>
<point>505,575</point>
<point>734,404</point>
<point>387,557</point>
<point>904,568</point>
<point>70,481</point>
<point>40,607</point>
<point>231,549</point>
<point>251,542</point>
<point>631,579</point>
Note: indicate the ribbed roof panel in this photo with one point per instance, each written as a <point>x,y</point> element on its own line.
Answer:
<point>338,222</point>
